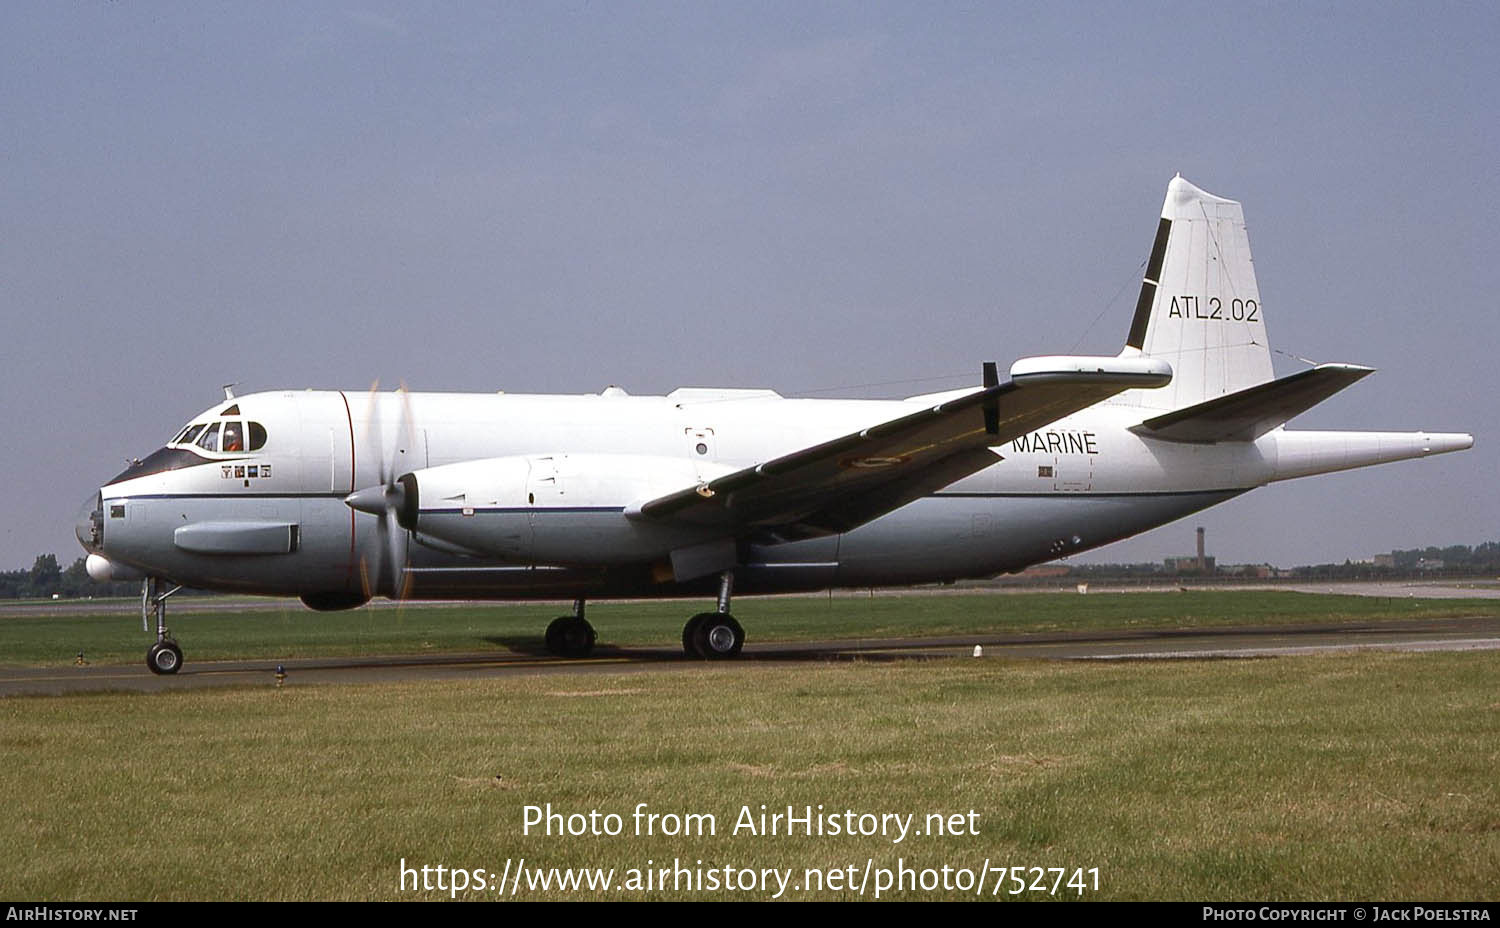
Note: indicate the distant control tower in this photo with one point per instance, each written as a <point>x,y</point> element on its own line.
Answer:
<point>1200,563</point>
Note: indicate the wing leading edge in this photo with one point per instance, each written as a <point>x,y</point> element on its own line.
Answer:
<point>840,484</point>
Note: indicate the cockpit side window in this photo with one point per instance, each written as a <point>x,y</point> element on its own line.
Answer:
<point>234,436</point>
<point>210,439</point>
<point>226,436</point>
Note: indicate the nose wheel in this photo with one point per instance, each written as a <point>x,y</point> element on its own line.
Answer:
<point>164,657</point>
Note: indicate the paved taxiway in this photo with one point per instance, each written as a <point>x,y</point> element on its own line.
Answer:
<point>1146,644</point>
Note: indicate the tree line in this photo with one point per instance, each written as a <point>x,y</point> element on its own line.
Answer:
<point>47,578</point>
<point>1453,561</point>
<point>1485,557</point>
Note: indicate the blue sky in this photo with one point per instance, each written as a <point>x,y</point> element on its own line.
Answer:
<point>810,197</point>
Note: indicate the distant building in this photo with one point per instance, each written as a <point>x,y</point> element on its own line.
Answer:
<point>1047,570</point>
<point>1188,564</point>
<point>1385,560</point>
<point>1199,563</point>
<point>1254,571</point>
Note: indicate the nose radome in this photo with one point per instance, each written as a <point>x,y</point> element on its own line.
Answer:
<point>89,526</point>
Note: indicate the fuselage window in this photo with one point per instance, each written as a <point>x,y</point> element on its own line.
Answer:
<point>257,436</point>
<point>234,436</point>
<point>210,439</point>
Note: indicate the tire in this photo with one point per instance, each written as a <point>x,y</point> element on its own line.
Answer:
<point>688,631</point>
<point>717,636</point>
<point>164,657</point>
<point>570,637</point>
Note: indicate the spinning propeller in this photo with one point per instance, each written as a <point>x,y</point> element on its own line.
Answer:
<point>389,500</point>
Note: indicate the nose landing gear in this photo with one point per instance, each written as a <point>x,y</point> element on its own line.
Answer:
<point>163,657</point>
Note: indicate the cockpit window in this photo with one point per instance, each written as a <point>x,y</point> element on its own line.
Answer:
<point>228,436</point>
<point>234,436</point>
<point>210,439</point>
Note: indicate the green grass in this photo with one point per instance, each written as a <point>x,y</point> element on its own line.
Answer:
<point>287,630</point>
<point>1356,776</point>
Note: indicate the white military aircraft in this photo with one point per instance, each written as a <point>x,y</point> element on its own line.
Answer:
<point>337,497</point>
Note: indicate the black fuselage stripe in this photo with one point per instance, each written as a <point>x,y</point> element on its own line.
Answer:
<point>953,494</point>
<point>1066,494</point>
<point>518,509</point>
<point>243,495</point>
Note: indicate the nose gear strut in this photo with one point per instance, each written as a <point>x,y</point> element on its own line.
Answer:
<point>164,657</point>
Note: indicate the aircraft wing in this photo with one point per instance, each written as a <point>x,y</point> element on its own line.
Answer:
<point>843,483</point>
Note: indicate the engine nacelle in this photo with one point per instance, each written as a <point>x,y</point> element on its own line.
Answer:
<point>563,509</point>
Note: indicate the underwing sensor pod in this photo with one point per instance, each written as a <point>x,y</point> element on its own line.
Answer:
<point>338,497</point>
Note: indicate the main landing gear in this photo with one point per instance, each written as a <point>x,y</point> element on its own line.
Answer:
<point>708,636</point>
<point>713,636</point>
<point>164,657</point>
<point>571,635</point>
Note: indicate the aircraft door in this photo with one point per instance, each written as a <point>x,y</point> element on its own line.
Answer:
<point>1073,474</point>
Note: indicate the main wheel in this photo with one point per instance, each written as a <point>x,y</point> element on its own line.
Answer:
<point>691,629</point>
<point>164,657</point>
<point>569,636</point>
<point>714,636</point>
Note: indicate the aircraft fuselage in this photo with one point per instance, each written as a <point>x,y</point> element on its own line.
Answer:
<point>274,521</point>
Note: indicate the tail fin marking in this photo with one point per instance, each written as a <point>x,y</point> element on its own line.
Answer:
<point>1199,307</point>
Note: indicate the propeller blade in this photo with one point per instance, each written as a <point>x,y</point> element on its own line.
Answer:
<point>375,431</point>
<point>387,500</point>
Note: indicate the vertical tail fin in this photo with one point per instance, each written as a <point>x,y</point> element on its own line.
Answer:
<point>1199,307</point>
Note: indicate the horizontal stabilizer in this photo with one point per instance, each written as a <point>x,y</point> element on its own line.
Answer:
<point>1252,412</point>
